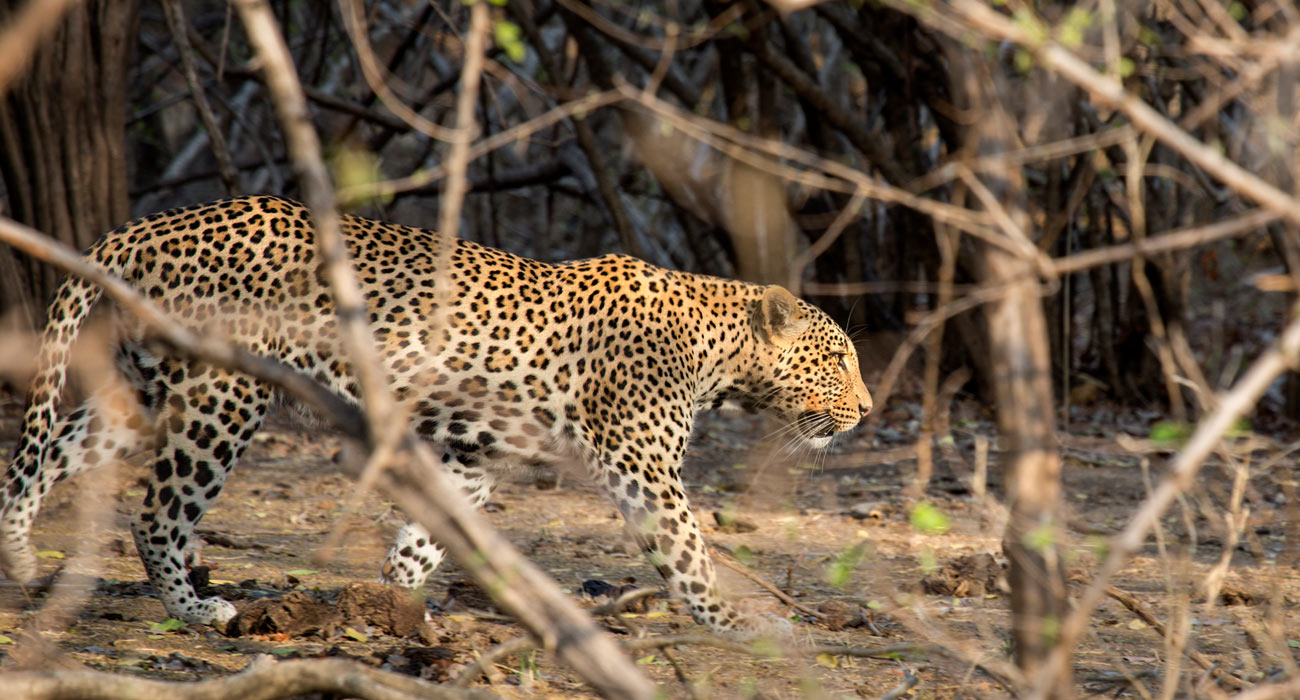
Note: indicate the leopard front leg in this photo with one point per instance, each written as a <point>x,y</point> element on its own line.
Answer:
<point>206,419</point>
<point>659,519</point>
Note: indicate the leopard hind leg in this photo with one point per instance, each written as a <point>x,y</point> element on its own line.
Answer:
<point>415,555</point>
<point>114,423</point>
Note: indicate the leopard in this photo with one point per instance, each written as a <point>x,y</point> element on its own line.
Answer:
<point>498,361</point>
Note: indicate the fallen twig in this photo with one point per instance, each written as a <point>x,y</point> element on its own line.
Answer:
<point>480,665</point>
<point>728,561</point>
<point>1137,608</point>
<point>263,679</point>
<point>909,681</point>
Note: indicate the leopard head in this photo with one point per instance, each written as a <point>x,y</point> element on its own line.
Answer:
<point>809,373</point>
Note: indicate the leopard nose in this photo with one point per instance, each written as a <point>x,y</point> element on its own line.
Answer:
<point>864,409</point>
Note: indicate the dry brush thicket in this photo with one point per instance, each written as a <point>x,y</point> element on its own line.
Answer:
<point>1054,206</point>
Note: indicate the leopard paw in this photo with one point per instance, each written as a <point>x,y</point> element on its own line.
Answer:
<point>17,561</point>
<point>754,626</point>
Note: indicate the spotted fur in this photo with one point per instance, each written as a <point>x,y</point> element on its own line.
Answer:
<point>604,361</point>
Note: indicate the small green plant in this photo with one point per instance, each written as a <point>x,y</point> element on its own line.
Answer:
<point>840,572</point>
<point>1170,433</point>
<point>171,624</point>
<point>928,519</point>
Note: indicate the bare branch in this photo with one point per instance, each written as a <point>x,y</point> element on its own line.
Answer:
<point>1231,406</point>
<point>18,43</point>
<point>263,679</point>
<point>175,14</point>
<point>1111,92</point>
<point>466,126</point>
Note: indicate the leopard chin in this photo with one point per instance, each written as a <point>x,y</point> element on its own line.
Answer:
<point>820,442</point>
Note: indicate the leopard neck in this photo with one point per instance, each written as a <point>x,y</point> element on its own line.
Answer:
<point>726,344</point>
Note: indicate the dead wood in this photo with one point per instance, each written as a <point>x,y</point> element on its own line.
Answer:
<point>729,562</point>
<point>263,679</point>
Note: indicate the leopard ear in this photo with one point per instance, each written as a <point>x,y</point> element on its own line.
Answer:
<point>781,316</point>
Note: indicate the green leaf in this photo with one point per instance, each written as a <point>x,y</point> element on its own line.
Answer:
<point>355,168</point>
<point>509,37</point>
<point>1171,432</point>
<point>51,554</point>
<point>744,555</point>
<point>1041,538</point>
<point>1099,545</point>
<point>283,652</point>
<point>928,562</point>
<point>171,624</point>
<point>353,634</point>
<point>301,572</point>
<point>1240,429</point>
<point>1291,643</point>
<point>1074,26</point>
<point>645,660</point>
<point>1024,61</point>
<point>927,518</point>
<point>1126,66</point>
<point>840,572</point>
<point>8,640</point>
<point>1034,30</point>
<point>1237,11</point>
<point>1148,36</point>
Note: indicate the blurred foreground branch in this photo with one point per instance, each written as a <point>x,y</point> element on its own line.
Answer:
<point>263,679</point>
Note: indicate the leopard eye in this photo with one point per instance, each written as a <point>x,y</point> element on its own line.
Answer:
<point>840,358</point>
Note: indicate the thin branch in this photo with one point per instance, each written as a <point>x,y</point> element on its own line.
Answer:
<point>825,241</point>
<point>1111,92</point>
<point>305,151</point>
<point>1137,608</point>
<point>822,173</point>
<point>263,679</point>
<point>852,126</point>
<point>1173,240</point>
<point>686,41</point>
<point>1181,473</point>
<point>498,140</point>
<point>18,43</point>
<point>729,562</point>
<point>354,20</point>
<point>1272,691</point>
<point>601,75</point>
<point>466,128</point>
<point>479,666</point>
<point>174,11</point>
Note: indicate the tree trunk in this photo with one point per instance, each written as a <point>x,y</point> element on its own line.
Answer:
<point>1026,424</point>
<point>62,142</point>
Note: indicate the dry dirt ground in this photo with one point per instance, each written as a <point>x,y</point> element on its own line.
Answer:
<point>830,530</point>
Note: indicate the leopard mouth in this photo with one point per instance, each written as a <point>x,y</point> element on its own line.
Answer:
<point>816,425</point>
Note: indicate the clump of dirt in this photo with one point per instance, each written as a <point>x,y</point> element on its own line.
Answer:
<point>840,615</point>
<point>391,611</point>
<point>970,576</point>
